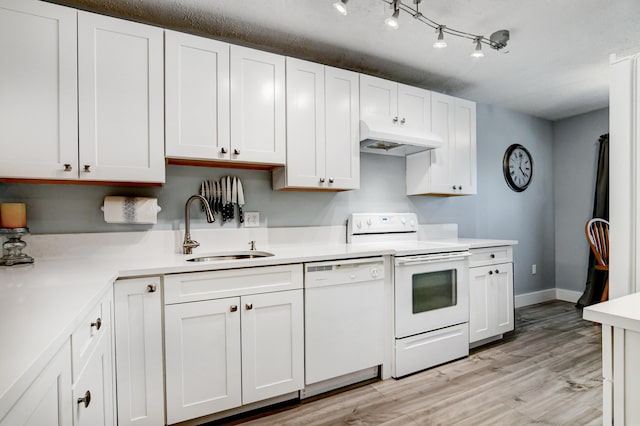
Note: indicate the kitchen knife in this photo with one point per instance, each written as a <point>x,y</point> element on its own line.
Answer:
<point>240,201</point>
<point>212,191</point>
<point>215,196</point>
<point>229,205</point>
<point>223,198</point>
<point>234,197</point>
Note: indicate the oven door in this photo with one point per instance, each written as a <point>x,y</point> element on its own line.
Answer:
<point>431,292</point>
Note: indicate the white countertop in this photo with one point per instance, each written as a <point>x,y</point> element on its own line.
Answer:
<point>623,312</point>
<point>41,304</point>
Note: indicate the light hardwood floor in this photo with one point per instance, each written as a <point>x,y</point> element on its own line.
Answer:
<point>546,372</point>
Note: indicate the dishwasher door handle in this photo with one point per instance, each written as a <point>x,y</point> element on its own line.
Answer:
<point>432,258</point>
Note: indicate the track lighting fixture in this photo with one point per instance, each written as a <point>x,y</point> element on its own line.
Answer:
<point>440,43</point>
<point>497,41</point>
<point>341,6</point>
<point>392,21</point>
<point>477,52</point>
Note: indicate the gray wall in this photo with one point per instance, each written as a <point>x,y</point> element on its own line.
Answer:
<point>495,212</point>
<point>575,154</point>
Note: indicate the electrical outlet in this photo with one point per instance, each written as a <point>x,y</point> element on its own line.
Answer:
<point>533,269</point>
<point>251,219</point>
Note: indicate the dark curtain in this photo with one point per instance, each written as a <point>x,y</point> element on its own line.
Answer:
<point>596,279</point>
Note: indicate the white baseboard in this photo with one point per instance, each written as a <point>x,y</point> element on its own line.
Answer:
<point>535,297</point>
<point>546,295</point>
<point>568,295</point>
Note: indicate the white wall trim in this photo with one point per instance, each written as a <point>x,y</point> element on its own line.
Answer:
<point>568,295</point>
<point>535,297</point>
<point>527,299</point>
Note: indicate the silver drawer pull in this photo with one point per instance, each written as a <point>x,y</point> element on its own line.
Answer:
<point>493,256</point>
<point>249,306</point>
<point>490,272</point>
<point>97,324</point>
<point>233,308</point>
<point>236,151</point>
<point>86,400</point>
<point>67,167</point>
<point>223,150</point>
<point>87,168</point>
<point>151,288</point>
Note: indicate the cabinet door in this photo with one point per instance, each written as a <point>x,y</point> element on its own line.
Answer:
<point>138,339</point>
<point>503,298</point>
<point>257,106</point>
<point>414,109</point>
<point>47,401</point>
<point>464,151</point>
<point>196,97</point>
<point>93,391</point>
<point>342,122</point>
<point>120,96</point>
<point>305,124</point>
<point>378,100</point>
<point>272,345</point>
<point>38,90</point>
<point>202,350</point>
<point>440,159</point>
<point>480,303</point>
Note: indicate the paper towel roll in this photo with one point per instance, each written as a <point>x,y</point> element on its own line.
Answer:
<point>131,210</point>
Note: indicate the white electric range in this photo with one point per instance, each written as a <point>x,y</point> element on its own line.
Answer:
<point>431,290</point>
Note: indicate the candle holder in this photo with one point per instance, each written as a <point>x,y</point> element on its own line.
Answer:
<point>12,248</point>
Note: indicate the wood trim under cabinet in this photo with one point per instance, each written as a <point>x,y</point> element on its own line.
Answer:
<point>225,164</point>
<point>81,182</point>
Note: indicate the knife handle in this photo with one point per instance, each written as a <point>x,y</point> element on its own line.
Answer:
<point>240,215</point>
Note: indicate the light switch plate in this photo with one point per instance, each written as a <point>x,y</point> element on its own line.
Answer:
<point>251,219</point>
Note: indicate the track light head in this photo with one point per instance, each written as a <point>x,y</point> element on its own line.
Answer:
<point>341,6</point>
<point>440,43</point>
<point>477,53</point>
<point>392,21</point>
<point>499,39</point>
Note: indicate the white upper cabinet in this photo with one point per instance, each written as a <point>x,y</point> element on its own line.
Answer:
<point>257,106</point>
<point>322,129</point>
<point>450,169</point>
<point>38,90</point>
<point>395,105</point>
<point>120,94</point>
<point>196,97</point>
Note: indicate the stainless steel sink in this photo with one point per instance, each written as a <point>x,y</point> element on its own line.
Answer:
<point>252,254</point>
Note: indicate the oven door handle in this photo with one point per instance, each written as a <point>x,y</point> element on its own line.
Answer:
<point>432,258</point>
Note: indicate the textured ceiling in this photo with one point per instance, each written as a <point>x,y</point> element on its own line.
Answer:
<point>557,65</point>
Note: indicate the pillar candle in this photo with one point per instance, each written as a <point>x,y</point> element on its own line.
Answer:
<point>13,215</point>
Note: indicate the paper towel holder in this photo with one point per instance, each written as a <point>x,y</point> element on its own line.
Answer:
<point>158,208</point>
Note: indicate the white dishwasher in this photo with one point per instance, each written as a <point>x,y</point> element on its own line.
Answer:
<point>344,317</point>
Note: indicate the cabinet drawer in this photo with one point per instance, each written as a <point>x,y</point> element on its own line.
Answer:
<point>195,286</point>
<point>86,336</point>
<point>490,256</point>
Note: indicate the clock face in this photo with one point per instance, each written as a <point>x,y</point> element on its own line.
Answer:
<point>517,166</point>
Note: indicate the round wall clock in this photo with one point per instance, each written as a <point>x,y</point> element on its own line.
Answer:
<point>517,165</point>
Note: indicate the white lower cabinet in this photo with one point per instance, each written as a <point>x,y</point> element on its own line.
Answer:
<point>491,307</point>
<point>47,401</point>
<point>138,354</point>
<point>224,352</point>
<point>92,368</point>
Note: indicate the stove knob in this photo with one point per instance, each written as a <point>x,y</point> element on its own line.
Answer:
<point>412,224</point>
<point>359,224</point>
<point>403,220</point>
<point>369,222</point>
<point>374,273</point>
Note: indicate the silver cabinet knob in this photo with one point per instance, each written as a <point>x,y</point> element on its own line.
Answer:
<point>87,168</point>
<point>330,180</point>
<point>454,187</point>
<point>67,167</point>
<point>460,188</point>
<point>493,256</point>
<point>249,306</point>
<point>97,324</point>
<point>86,400</point>
<point>236,151</point>
<point>497,271</point>
<point>490,272</point>
<point>151,288</point>
<point>223,150</point>
<point>403,120</point>
<point>395,119</point>
<point>233,308</point>
<point>321,180</point>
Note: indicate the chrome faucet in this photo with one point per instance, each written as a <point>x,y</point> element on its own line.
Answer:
<point>188,245</point>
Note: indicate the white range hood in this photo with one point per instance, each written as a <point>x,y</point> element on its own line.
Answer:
<point>395,140</point>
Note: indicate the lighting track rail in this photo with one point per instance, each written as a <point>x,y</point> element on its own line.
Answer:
<point>497,41</point>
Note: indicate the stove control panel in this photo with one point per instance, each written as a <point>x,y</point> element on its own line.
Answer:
<point>381,223</point>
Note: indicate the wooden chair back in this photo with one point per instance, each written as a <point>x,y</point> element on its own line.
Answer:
<point>597,231</point>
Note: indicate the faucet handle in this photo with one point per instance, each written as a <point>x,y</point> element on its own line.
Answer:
<point>252,245</point>
<point>189,245</point>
